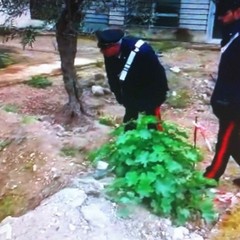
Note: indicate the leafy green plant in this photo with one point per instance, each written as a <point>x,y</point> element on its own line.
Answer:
<point>158,169</point>
<point>39,81</point>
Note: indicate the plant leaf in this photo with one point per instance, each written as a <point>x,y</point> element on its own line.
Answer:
<point>132,178</point>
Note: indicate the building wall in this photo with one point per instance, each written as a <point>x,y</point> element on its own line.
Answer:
<point>193,15</point>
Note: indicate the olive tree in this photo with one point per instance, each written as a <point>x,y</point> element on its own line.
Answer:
<point>67,16</point>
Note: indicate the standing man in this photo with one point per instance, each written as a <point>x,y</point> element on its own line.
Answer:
<point>135,75</point>
<point>225,99</point>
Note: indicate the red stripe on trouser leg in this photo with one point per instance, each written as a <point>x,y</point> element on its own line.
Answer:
<point>158,116</point>
<point>221,152</point>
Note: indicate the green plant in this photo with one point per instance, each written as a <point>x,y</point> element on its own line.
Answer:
<point>39,81</point>
<point>5,60</point>
<point>10,204</point>
<point>69,151</point>
<point>158,169</point>
<point>164,45</point>
<point>11,108</point>
<point>28,37</point>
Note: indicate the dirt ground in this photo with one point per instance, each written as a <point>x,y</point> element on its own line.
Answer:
<point>33,164</point>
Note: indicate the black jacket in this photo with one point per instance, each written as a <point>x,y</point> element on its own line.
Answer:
<point>145,85</point>
<point>225,99</point>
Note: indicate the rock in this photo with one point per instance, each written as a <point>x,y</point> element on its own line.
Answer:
<point>99,76</point>
<point>57,217</point>
<point>195,236</point>
<point>97,90</point>
<point>175,69</point>
<point>180,233</point>
<point>95,216</point>
<point>89,185</point>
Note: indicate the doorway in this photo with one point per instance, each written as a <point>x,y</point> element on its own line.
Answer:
<point>213,30</point>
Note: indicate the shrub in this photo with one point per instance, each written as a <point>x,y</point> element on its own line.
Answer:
<point>39,81</point>
<point>158,169</point>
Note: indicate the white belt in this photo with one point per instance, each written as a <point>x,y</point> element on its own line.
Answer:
<point>131,56</point>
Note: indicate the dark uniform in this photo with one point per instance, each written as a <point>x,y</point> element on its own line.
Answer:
<point>145,86</point>
<point>225,99</point>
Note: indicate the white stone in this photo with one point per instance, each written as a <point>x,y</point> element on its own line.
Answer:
<point>97,90</point>
<point>180,233</point>
<point>94,216</point>
<point>175,69</point>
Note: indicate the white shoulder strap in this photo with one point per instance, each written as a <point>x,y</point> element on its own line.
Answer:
<point>223,49</point>
<point>131,56</point>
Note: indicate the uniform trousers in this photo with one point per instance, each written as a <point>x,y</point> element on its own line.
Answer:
<point>228,144</point>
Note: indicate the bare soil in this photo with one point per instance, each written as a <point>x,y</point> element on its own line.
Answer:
<point>32,161</point>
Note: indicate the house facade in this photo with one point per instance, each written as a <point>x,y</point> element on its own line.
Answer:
<point>169,18</point>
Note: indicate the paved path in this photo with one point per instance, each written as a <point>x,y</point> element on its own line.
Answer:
<point>21,73</point>
<point>43,58</point>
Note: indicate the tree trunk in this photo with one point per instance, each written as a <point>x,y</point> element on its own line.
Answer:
<point>66,36</point>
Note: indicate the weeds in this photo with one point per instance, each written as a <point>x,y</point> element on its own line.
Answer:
<point>164,45</point>
<point>5,60</point>
<point>10,205</point>
<point>157,169</point>
<point>39,81</point>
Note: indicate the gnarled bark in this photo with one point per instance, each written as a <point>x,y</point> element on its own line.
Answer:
<point>66,36</point>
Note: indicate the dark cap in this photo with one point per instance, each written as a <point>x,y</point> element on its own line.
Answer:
<point>222,6</point>
<point>108,37</point>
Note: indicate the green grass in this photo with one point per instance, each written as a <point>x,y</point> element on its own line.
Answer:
<point>10,205</point>
<point>39,81</point>
<point>5,60</point>
<point>164,45</point>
